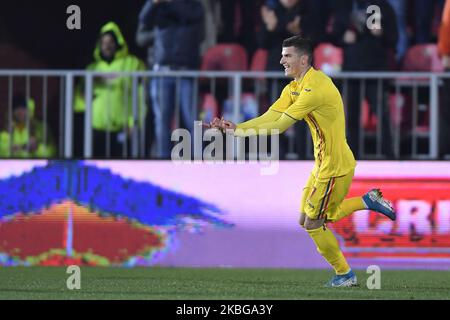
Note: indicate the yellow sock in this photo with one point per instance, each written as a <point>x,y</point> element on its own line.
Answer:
<point>328,247</point>
<point>348,206</point>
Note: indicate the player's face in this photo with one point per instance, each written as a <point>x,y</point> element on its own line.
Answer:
<point>293,62</point>
<point>108,46</point>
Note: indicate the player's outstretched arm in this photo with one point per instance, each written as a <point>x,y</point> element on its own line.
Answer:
<point>222,124</point>
<point>267,128</point>
<point>277,126</point>
<point>268,116</point>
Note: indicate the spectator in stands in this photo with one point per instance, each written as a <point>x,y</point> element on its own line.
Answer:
<point>145,38</point>
<point>283,19</point>
<point>29,138</point>
<point>280,22</point>
<point>400,9</point>
<point>444,50</point>
<point>424,12</point>
<point>318,13</point>
<point>239,23</point>
<point>112,107</point>
<point>212,24</point>
<point>365,50</point>
<point>178,27</point>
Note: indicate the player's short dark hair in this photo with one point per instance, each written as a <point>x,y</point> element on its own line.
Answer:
<point>303,45</point>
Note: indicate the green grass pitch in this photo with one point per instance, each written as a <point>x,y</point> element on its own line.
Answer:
<point>214,283</point>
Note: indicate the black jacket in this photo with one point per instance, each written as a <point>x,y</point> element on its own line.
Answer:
<point>368,53</point>
<point>272,40</point>
<point>178,27</point>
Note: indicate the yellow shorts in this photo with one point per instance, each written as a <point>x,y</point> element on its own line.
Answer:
<point>321,199</point>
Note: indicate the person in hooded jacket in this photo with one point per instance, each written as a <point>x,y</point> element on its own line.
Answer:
<point>26,136</point>
<point>112,106</point>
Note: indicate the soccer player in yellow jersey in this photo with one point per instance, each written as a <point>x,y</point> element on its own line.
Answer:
<point>313,97</point>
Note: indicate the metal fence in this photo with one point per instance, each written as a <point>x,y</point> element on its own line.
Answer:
<point>407,102</point>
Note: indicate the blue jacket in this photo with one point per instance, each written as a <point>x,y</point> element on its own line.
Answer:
<point>179,29</point>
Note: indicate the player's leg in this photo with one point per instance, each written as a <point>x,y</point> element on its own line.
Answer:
<point>320,203</point>
<point>327,245</point>
<point>372,200</point>
<point>308,190</point>
<point>339,207</point>
<point>348,206</point>
<point>163,101</point>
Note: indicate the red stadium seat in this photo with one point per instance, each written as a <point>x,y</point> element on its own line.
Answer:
<point>225,57</point>
<point>397,109</point>
<point>420,58</point>
<point>399,118</point>
<point>221,57</point>
<point>369,119</point>
<point>328,58</point>
<point>259,60</point>
<point>423,57</point>
<point>259,63</point>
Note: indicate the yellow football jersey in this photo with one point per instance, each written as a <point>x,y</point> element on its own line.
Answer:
<point>315,99</point>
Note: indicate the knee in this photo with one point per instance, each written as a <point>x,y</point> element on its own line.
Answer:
<point>301,221</point>
<point>312,224</point>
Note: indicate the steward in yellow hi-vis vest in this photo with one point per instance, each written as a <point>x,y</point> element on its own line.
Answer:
<point>313,97</point>
<point>112,104</point>
<point>25,136</point>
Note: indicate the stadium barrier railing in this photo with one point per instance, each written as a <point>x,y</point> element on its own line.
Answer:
<point>412,98</point>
